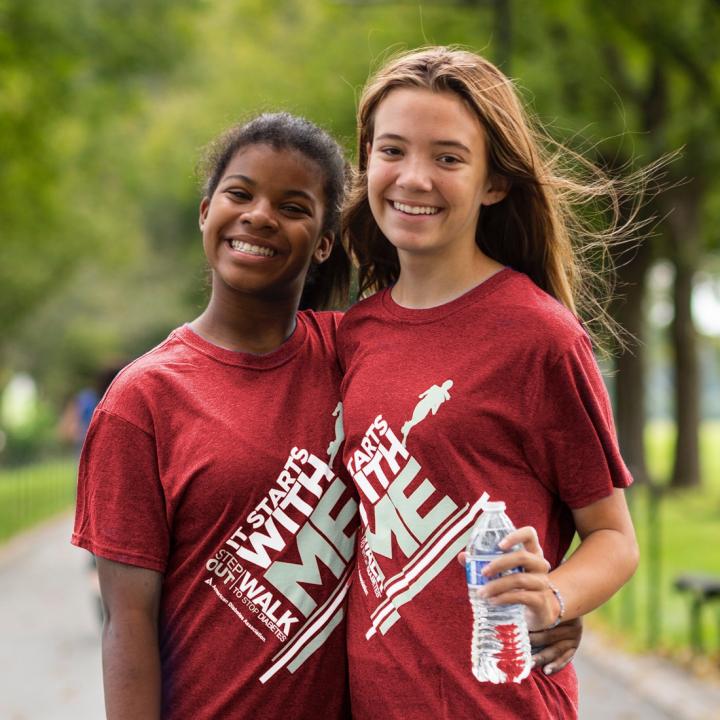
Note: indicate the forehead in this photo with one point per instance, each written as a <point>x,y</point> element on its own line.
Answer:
<point>426,114</point>
<point>279,170</point>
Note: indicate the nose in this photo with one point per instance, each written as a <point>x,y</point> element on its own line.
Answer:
<point>260,216</point>
<point>414,175</point>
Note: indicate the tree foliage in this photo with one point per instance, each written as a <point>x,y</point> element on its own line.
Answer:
<point>69,71</point>
<point>105,106</point>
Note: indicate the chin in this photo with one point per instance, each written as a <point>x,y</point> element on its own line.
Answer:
<point>415,244</point>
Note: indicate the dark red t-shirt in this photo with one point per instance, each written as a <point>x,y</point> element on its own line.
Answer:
<point>496,392</point>
<point>212,467</point>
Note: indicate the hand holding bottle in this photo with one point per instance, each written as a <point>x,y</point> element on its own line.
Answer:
<point>531,588</point>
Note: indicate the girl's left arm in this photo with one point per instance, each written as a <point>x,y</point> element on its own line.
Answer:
<point>605,559</point>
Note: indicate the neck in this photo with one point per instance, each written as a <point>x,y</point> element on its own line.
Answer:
<point>426,281</point>
<point>245,323</point>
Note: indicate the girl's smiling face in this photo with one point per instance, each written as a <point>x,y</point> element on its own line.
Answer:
<point>427,172</point>
<point>263,224</point>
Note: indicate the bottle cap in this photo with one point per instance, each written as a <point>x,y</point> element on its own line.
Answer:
<point>496,506</point>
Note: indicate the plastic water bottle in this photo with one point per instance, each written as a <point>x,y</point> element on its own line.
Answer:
<point>500,651</point>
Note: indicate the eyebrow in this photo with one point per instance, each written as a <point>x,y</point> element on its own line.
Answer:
<point>443,143</point>
<point>288,193</point>
<point>244,178</point>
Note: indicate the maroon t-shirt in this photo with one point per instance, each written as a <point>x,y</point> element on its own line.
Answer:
<point>214,468</point>
<point>496,392</point>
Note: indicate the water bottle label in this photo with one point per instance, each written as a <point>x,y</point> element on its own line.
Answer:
<point>473,572</point>
<point>474,568</point>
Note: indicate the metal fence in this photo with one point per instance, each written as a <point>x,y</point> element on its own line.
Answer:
<point>35,492</point>
<point>650,612</point>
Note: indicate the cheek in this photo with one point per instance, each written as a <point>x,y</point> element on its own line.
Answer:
<point>378,178</point>
<point>205,236</point>
<point>305,241</point>
<point>462,192</point>
<point>377,204</point>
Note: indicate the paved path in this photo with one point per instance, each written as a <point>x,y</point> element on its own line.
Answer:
<point>50,656</point>
<point>49,653</point>
<point>616,686</point>
<point>603,697</point>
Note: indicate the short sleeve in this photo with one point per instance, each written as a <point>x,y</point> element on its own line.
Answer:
<point>120,513</point>
<point>572,443</point>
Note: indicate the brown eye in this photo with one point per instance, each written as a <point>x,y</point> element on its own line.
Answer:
<point>239,194</point>
<point>296,209</point>
<point>391,152</point>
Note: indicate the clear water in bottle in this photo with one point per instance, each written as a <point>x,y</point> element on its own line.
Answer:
<point>500,651</point>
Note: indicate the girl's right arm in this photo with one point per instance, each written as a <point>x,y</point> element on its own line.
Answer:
<point>130,647</point>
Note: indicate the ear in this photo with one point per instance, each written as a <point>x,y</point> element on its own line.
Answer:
<point>323,248</point>
<point>497,189</point>
<point>204,207</point>
<point>368,149</point>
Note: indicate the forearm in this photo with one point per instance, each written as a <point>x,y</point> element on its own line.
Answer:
<point>605,560</point>
<point>131,667</point>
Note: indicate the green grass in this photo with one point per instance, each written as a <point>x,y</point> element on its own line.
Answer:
<point>659,441</point>
<point>687,539</point>
<point>31,494</point>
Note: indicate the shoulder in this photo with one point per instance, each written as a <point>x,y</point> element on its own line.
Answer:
<point>367,309</point>
<point>529,313</point>
<point>137,386</point>
<point>369,306</point>
<point>322,321</point>
<point>322,328</point>
<point>364,316</point>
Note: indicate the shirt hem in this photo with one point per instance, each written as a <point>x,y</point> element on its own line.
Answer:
<point>120,556</point>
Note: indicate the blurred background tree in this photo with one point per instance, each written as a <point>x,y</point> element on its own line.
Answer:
<point>75,79</point>
<point>646,79</point>
<point>105,106</point>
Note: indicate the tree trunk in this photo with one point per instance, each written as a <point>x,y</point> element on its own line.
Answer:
<point>684,225</point>
<point>630,365</point>
<point>632,265</point>
<point>503,31</point>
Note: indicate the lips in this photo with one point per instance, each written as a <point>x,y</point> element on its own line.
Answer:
<point>415,209</point>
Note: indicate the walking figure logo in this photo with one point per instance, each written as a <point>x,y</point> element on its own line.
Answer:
<point>334,446</point>
<point>430,400</point>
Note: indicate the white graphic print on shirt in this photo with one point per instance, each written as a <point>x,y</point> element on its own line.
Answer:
<point>383,469</point>
<point>334,446</point>
<point>430,401</point>
<point>266,593</point>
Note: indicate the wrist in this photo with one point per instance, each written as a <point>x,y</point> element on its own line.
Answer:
<point>560,603</point>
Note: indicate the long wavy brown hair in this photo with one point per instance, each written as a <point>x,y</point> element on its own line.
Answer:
<point>560,216</point>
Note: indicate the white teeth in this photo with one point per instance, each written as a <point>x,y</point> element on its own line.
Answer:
<point>416,209</point>
<point>245,247</point>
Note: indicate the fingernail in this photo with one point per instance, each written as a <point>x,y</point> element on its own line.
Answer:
<point>548,669</point>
